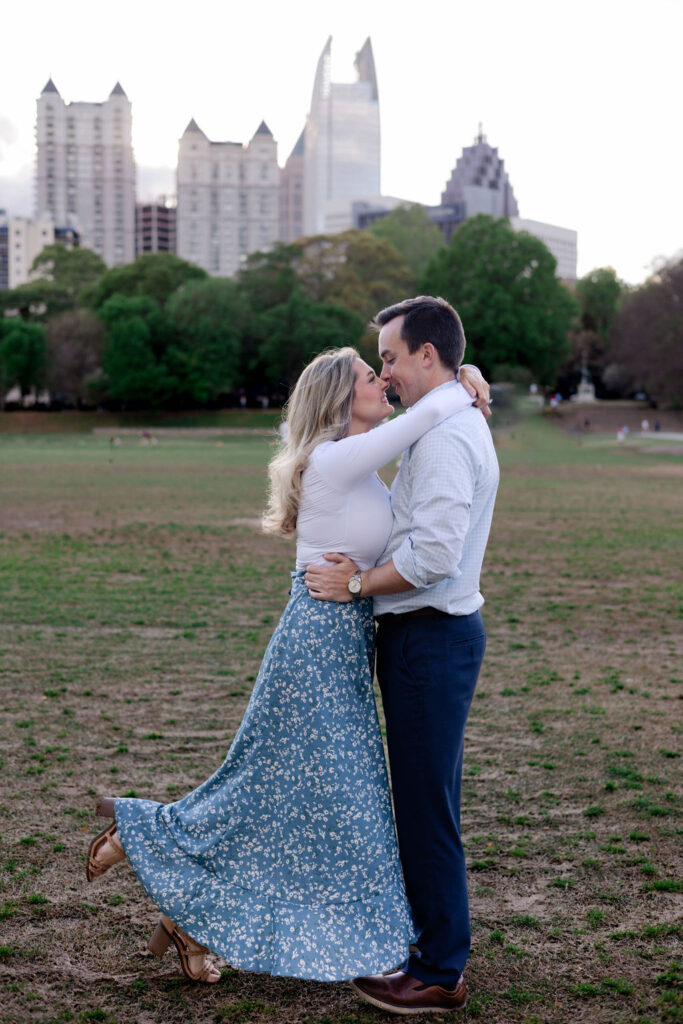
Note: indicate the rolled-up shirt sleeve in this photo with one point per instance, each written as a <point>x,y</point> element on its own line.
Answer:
<point>443,483</point>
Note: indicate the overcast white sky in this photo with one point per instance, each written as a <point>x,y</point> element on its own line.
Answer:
<point>582,99</point>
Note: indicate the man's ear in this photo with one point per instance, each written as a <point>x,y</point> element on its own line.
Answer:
<point>428,355</point>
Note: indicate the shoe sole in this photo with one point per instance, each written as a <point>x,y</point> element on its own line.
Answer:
<point>404,1011</point>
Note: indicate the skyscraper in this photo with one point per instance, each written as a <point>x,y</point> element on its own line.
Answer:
<point>292,194</point>
<point>480,181</point>
<point>86,171</point>
<point>155,227</point>
<point>228,199</point>
<point>4,250</point>
<point>342,141</point>
<point>22,240</point>
<point>561,242</point>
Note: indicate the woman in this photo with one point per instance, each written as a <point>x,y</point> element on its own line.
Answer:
<point>285,860</point>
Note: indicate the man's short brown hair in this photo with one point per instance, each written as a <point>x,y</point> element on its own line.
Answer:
<point>428,319</point>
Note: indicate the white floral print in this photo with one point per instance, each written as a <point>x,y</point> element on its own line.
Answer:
<point>285,860</point>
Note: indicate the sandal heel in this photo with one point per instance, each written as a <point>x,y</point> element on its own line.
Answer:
<point>92,868</point>
<point>105,807</point>
<point>165,933</point>
<point>160,941</point>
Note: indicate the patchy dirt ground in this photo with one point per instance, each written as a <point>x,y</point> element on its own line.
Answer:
<point>137,598</point>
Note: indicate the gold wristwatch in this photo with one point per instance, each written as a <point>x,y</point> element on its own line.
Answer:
<point>355,584</point>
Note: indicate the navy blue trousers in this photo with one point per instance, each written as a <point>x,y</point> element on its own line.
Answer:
<point>427,670</point>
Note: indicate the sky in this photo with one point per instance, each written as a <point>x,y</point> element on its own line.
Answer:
<point>581,99</point>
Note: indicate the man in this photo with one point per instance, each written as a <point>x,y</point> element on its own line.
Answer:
<point>430,645</point>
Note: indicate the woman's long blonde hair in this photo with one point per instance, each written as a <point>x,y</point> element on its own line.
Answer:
<point>318,409</point>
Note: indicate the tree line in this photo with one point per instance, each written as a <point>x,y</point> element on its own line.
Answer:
<point>631,339</point>
<point>159,332</point>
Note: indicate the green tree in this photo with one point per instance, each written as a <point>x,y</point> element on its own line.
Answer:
<point>269,278</point>
<point>66,275</point>
<point>156,275</point>
<point>22,355</point>
<point>138,337</point>
<point>72,269</point>
<point>599,294</point>
<point>355,270</point>
<point>412,234</point>
<point>298,330</point>
<point>647,349</point>
<point>515,312</point>
<point>75,343</point>
<point>209,318</point>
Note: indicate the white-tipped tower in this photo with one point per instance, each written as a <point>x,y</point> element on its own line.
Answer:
<point>342,139</point>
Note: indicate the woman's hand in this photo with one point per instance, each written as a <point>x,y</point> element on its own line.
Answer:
<point>473,382</point>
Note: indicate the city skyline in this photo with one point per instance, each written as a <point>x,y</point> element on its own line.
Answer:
<point>581,112</point>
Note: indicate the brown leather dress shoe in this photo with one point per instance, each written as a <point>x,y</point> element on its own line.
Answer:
<point>401,993</point>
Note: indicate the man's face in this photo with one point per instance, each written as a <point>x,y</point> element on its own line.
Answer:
<point>400,367</point>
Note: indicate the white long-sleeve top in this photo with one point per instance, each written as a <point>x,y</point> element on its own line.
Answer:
<point>442,503</point>
<point>345,506</point>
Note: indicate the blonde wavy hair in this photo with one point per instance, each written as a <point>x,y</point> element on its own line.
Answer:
<point>318,409</point>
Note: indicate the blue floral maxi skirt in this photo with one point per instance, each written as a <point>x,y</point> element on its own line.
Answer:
<point>285,860</point>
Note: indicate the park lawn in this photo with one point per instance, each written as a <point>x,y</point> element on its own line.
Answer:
<point>137,598</point>
<point>69,421</point>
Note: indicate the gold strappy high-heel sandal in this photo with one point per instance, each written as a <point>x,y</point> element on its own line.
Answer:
<point>99,859</point>
<point>165,933</point>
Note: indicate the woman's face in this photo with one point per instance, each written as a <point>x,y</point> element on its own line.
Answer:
<point>370,405</point>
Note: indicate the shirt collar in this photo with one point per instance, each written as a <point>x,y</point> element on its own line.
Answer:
<point>441,387</point>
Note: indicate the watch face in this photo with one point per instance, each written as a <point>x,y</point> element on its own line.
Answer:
<point>355,585</point>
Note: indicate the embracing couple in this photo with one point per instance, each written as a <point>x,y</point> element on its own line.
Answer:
<point>286,859</point>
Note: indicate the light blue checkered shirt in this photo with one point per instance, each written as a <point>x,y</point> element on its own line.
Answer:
<point>442,502</point>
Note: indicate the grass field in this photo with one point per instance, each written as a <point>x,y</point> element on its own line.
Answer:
<point>136,599</point>
<point>72,422</point>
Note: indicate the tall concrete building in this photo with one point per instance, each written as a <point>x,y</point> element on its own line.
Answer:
<point>21,240</point>
<point>341,143</point>
<point>86,171</point>
<point>228,199</point>
<point>4,250</point>
<point>446,218</point>
<point>480,181</point>
<point>26,239</point>
<point>155,227</point>
<point>562,243</point>
<point>292,194</point>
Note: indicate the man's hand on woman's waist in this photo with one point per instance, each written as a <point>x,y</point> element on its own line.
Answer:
<point>331,582</point>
